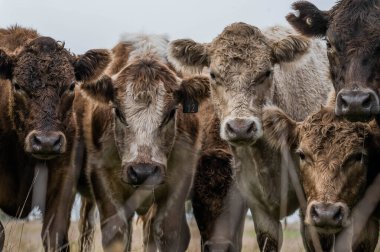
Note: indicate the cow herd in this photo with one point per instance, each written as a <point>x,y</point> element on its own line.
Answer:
<point>268,120</point>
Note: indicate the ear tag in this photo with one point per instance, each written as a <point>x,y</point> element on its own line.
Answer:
<point>190,105</point>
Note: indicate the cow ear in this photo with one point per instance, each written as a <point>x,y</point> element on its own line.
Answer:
<point>91,65</point>
<point>6,65</point>
<point>188,56</point>
<point>101,90</point>
<point>290,48</point>
<point>193,91</point>
<point>279,129</point>
<point>309,21</point>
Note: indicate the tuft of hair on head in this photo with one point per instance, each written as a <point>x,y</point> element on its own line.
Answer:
<point>309,21</point>
<point>290,48</point>
<point>101,90</point>
<point>188,56</point>
<point>279,128</point>
<point>92,64</point>
<point>196,88</point>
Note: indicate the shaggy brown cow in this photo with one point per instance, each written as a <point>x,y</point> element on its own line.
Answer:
<point>338,161</point>
<point>38,77</point>
<point>352,32</point>
<point>247,69</point>
<point>142,150</point>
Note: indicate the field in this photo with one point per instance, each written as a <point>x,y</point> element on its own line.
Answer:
<point>25,236</point>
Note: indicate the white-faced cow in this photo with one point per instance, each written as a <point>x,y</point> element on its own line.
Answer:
<point>352,32</point>
<point>143,150</point>
<point>338,160</point>
<point>37,125</point>
<point>249,68</point>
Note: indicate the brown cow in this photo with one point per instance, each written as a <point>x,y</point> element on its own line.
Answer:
<point>338,160</point>
<point>352,32</point>
<point>142,151</point>
<point>38,77</point>
<point>248,68</point>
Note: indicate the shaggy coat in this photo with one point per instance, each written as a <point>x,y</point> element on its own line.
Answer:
<point>249,68</point>
<point>338,161</point>
<point>352,32</point>
<point>133,119</point>
<point>37,126</point>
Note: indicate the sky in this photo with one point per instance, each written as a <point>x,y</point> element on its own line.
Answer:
<point>88,24</point>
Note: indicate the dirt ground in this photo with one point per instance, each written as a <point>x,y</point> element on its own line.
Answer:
<point>25,236</point>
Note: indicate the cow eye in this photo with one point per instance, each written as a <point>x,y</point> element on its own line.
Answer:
<point>17,87</point>
<point>262,77</point>
<point>302,155</point>
<point>120,116</point>
<point>169,117</point>
<point>212,75</point>
<point>72,86</point>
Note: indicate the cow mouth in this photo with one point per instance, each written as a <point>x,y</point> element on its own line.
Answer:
<point>148,187</point>
<point>45,156</point>
<point>359,118</point>
<point>328,229</point>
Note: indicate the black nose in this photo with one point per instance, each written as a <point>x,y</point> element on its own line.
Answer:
<point>46,144</point>
<point>143,173</point>
<point>357,105</point>
<point>327,215</point>
<point>240,129</point>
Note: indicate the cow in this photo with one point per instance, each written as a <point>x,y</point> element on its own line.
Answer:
<point>37,125</point>
<point>352,33</point>
<point>143,149</point>
<point>338,160</point>
<point>249,68</point>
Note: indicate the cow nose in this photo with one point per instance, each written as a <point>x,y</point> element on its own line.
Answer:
<point>357,105</point>
<point>327,215</point>
<point>148,174</point>
<point>240,129</point>
<point>47,143</point>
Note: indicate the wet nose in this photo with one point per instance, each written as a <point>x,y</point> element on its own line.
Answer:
<point>240,129</point>
<point>357,105</point>
<point>47,143</point>
<point>143,173</point>
<point>327,214</point>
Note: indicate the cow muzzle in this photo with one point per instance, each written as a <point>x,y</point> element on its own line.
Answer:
<point>45,145</point>
<point>327,217</point>
<point>241,131</point>
<point>143,174</point>
<point>357,105</point>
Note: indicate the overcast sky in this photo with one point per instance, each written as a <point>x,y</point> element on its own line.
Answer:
<point>98,23</point>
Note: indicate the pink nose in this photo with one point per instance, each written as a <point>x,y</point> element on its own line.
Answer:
<point>240,129</point>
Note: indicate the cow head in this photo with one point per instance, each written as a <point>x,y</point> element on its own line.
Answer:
<point>352,33</point>
<point>337,161</point>
<point>240,61</point>
<point>42,78</point>
<point>145,97</point>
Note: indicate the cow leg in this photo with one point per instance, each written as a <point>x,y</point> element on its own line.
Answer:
<point>59,201</point>
<point>149,243</point>
<point>368,238</point>
<point>326,242</point>
<point>115,235</point>
<point>268,229</point>
<point>87,224</point>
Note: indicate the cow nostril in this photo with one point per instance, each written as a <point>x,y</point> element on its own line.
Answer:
<point>229,127</point>
<point>251,127</point>
<point>58,141</point>
<point>338,216</point>
<point>36,140</point>
<point>344,103</point>
<point>314,213</point>
<point>367,102</point>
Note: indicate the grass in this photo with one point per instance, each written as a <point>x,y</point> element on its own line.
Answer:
<point>30,239</point>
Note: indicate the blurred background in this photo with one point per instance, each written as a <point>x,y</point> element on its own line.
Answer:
<point>85,24</point>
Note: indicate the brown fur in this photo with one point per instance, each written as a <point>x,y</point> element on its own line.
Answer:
<point>145,81</point>
<point>330,168</point>
<point>38,90</point>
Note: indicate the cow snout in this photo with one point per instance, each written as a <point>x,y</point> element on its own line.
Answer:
<point>328,216</point>
<point>241,130</point>
<point>46,145</point>
<point>145,174</point>
<point>357,105</point>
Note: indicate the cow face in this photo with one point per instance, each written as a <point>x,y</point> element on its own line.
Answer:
<point>145,97</point>
<point>240,61</point>
<point>336,159</point>
<point>352,33</point>
<point>42,78</point>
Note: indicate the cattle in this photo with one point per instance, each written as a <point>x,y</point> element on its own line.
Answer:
<point>338,160</point>
<point>2,236</point>
<point>37,124</point>
<point>249,68</point>
<point>142,151</point>
<point>352,33</point>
